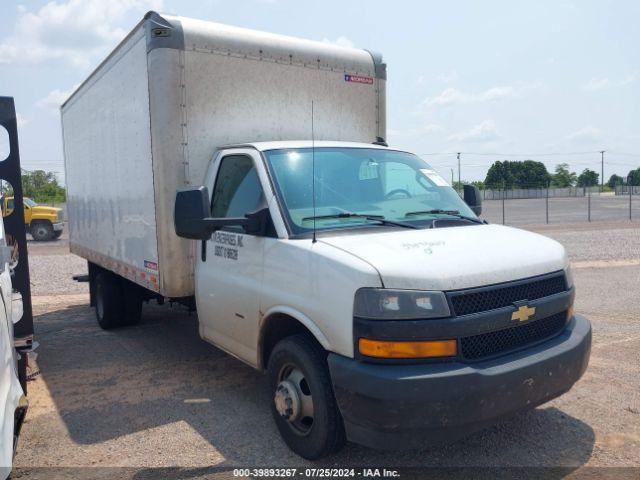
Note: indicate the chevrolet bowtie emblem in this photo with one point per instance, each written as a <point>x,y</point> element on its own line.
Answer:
<point>523,313</point>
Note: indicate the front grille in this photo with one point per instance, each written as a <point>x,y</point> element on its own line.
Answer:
<point>500,296</point>
<point>490,344</point>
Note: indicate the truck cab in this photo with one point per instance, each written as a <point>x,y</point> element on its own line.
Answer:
<point>382,308</point>
<point>42,222</point>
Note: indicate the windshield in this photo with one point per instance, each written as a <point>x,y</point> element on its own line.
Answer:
<point>29,202</point>
<point>394,185</point>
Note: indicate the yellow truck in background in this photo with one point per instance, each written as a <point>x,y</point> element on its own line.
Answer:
<point>43,223</point>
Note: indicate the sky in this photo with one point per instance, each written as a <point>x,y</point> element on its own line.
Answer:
<point>555,81</point>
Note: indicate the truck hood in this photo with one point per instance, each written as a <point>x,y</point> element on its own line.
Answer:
<point>42,210</point>
<point>455,257</point>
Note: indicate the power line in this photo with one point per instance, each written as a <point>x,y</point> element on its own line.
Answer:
<point>624,153</point>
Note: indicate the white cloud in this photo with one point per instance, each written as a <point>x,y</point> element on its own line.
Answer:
<point>588,134</point>
<point>448,77</point>
<point>450,96</point>
<point>55,98</point>
<point>596,84</point>
<point>485,131</point>
<point>430,128</point>
<point>72,30</point>
<point>341,41</point>
<point>427,129</point>
<point>453,96</point>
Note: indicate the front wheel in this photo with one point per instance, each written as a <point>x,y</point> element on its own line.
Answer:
<point>42,231</point>
<point>304,407</point>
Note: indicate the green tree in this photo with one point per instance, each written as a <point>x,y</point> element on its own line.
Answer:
<point>563,178</point>
<point>615,181</point>
<point>634,177</point>
<point>517,174</point>
<point>499,176</point>
<point>42,186</point>
<point>588,178</point>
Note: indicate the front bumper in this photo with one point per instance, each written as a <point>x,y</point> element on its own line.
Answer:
<point>413,406</point>
<point>58,227</point>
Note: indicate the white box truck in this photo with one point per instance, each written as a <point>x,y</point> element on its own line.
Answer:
<point>383,310</point>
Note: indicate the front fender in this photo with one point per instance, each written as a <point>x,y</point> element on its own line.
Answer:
<point>297,315</point>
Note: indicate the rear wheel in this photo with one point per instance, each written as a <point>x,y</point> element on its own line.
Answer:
<point>304,407</point>
<point>118,301</point>
<point>109,301</point>
<point>42,231</point>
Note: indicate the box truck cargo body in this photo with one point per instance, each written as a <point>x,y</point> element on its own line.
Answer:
<point>247,174</point>
<point>149,119</point>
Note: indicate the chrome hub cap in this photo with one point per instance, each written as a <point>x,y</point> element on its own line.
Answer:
<point>293,399</point>
<point>287,401</point>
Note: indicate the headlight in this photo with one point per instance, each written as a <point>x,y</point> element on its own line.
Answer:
<point>60,216</point>
<point>387,304</point>
<point>569,276</point>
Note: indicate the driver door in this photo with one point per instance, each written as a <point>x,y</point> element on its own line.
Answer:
<point>228,282</point>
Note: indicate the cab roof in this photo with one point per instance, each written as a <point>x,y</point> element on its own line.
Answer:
<point>277,145</point>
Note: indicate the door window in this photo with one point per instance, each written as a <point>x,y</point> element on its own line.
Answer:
<point>237,188</point>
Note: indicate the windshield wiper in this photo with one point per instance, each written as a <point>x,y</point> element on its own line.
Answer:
<point>376,218</point>
<point>438,211</point>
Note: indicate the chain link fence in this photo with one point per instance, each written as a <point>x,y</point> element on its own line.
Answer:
<point>536,206</point>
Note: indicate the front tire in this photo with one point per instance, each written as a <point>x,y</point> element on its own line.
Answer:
<point>304,407</point>
<point>42,231</point>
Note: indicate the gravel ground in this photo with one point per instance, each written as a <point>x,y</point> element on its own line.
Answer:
<point>52,274</point>
<point>587,242</point>
<point>156,395</point>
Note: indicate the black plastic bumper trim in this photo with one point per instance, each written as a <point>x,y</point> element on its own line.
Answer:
<point>412,406</point>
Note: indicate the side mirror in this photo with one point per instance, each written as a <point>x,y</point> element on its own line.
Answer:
<point>192,217</point>
<point>473,199</point>
<point>190,213</point>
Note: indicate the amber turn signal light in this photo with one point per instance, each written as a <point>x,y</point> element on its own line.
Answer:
<point>426,349</point>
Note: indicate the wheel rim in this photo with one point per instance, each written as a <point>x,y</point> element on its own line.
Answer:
<point>99,301</point>
<point>293,399</point>
<point>42,232</point>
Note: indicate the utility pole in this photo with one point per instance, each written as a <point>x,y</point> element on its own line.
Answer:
<point>459,176</point>
<point>452,177</point>
<point>602,171</point>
